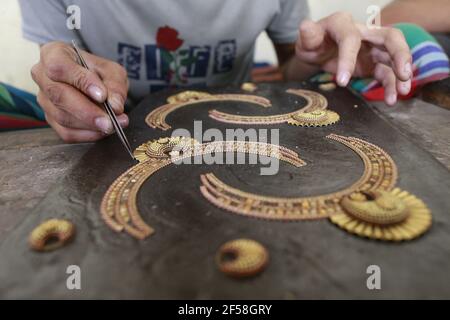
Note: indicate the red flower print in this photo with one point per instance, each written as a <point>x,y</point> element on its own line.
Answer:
<point>167,38</point>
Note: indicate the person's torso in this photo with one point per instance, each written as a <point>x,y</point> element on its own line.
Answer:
<point>174,43</point>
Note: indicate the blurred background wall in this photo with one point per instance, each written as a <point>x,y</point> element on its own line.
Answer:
<point>18,55</point>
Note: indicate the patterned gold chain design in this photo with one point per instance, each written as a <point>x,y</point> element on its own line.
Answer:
<point>313,114</point>
<point>314,102</point>
<point>157,118</point>
<point>118,207</point>
<point>392,214</point>
<point>380,173</point>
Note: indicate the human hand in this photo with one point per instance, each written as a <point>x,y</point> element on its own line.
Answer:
<point>345,48</point>
<point>69,93</point>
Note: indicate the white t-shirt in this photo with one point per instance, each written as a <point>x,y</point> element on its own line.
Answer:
<point>168,43</point>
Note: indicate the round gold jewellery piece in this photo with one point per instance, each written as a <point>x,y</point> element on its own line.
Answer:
<point>157,118</point>
<point>188,96</point>
<point>249,87</point>
<point>318,118</point>
<point>51,234</point>
<point>380,173</point>
<point>329,86</point>
<point>119,209</point>
<point>395,215</point>
<point>242,258</point>
<point>164,148</point>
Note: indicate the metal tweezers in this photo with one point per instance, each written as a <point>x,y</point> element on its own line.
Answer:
<point>107,107</point>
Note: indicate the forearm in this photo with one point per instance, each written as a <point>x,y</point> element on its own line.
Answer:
<point>429,14</point>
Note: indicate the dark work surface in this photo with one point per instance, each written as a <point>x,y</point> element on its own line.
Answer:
<point>308,259</point>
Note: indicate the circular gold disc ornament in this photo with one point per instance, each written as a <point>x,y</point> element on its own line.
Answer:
<point>242,258</point>
<point>318,118</point>
<point>249,87</point>
<point>188,96</point>
<point>164,148</point>
<point>384,215</point>
<point>51,235</point>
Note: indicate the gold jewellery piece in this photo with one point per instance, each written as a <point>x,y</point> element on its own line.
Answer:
<point>242,258</point>
<point>187,96</point>
<point>329,86</point>
<point>51,234</point>
<point>394,215</point>
<point>119,209</point>
<point>249,87</point>
<point>380,173</point>
<point>315,102</point>
<point>319,118</point>
<point>157,118</point>
<point>164,148</point>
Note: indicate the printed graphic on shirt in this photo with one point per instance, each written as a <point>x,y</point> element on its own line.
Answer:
<point>224,56</point>
<point>169,64</point>
<point>130,58</point>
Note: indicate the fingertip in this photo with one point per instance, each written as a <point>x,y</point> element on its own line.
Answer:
<point>408,70</point>
<point>404,87</point>
<point>343,78</point>
<point>391,99</point>
<point>403,71</point>
<point>117,103</point>
<point>123,120</point>
<point>104,125</point>
<point>403,66</point>
<point>96,93</point>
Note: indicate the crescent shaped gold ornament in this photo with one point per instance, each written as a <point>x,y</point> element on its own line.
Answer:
<point>380,173</point>
<point>119,209</point>
<point>313,114</point>
<point>157,118</point>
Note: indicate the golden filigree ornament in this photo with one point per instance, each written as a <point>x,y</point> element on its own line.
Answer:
<point>188,96</point>
<point>242,258</point>
<point>164,148</point>
<point>314,102</point>
<point>395,215</point>
<point>380,173</point>
<point>157,118</point>
<point>119,209</point>
<point>318,118</point>
<point>51,234</point>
